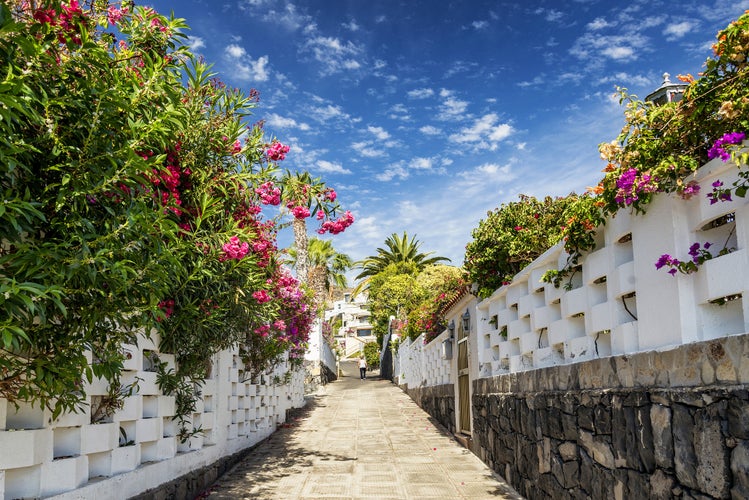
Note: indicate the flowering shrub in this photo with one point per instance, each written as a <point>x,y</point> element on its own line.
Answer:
<point>133,202</point>
<point>699,254</point>
<point>440,284</point>
<point>661,146</point>
<point>512,236</point>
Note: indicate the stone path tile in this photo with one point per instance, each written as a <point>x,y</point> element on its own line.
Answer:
<point>360,440</point>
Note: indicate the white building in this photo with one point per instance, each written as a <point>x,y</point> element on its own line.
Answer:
<point>350,318</point>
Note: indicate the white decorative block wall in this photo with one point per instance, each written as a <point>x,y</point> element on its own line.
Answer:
<point>75,457</point>
<point>618,302</point>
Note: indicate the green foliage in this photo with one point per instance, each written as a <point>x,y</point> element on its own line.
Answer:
<point>398,250</point>
<point>127,173</point>
<point>440,283</point>
<point>511,237</point>
<point>392,293</point>
<point>372,354</point>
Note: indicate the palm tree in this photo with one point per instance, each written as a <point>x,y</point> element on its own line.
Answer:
<point>326,267</point>
<point>399,250</point>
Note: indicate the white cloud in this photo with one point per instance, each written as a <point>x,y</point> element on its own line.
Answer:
<point>351,26</point>
<point>420,93</point>
<point>332,168</point>
<point>619,53</point>
<point>333,53</point>
<point>289,17</point>
<point>277,121</point>
<point>500,132</point>
<point>430,130</point>
<point>243,67</point>
<point>329,112</point>
<point>627,80</point>
<point>367,149</point>
<point>479,25</point>
<point>451,108</point>
<point>393,171</point>
<point>553,15</point>
<point>235,51</point>
<point>678,30</point>
<point>598,24</point>
<point>379,132</point>
<point>195,43</point>
<point>617,47</point>
<point>485,132</point>
<point>399,112</point>
<point>421,163</point>
<point>537,80</point>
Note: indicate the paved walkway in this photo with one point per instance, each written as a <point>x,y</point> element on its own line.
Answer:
<point>360,439</point>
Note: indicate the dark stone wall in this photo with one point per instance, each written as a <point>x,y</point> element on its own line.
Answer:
<point>666,424</point>
<point>438,401</point>
<point>637,443</point>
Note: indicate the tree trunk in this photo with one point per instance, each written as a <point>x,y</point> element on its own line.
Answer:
<point>317,277</point>
<point>300,241</point>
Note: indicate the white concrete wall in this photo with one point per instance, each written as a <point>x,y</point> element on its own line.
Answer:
<point>328,357</point>
<point>71,458</point>
<point>549,326</point>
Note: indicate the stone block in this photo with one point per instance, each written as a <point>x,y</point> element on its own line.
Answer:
<point>663,443</point>
<point>685,460</point>
<point>99,438</point>
<point>661,486</point>
<point>568,451</point>
<point>737,414</point>
<point>599,450</point>
<point>712,467</point>
<point>740,470</point>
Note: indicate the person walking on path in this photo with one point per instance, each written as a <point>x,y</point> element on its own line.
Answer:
<point>362,368</point>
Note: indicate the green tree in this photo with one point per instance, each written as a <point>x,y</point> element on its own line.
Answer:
<point>326,267</point>
<point>372,355</point>
<point>393,292</point>
<point>398,250</point>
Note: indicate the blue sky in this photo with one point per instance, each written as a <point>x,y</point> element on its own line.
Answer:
<point>426,114</point>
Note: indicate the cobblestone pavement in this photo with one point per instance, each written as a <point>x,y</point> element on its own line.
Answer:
<point>360,439</point>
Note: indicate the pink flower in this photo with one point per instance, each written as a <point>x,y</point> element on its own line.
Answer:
<point>320,215</point>
<point>114,14</point>
<point>300,212</point>
<point>234,250</point>
<point>269,194</point>
<point>330,195</point>
<point>337,226</point>
<point>261,296</point>
<point>277,151</point>
<point>236,148</point>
